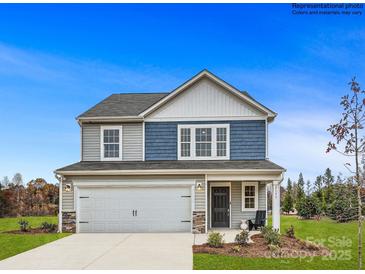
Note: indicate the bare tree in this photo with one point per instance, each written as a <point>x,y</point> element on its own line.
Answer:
<point>5,182</point>
<point>348,132</point>
<point>17,181</point>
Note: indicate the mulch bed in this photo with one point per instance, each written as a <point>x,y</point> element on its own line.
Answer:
<point>289,248</point>
<point>31,231</point>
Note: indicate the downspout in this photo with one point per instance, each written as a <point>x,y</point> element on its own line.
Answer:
<point>60,180</point>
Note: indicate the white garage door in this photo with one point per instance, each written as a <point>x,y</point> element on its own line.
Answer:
<point>138,209</point>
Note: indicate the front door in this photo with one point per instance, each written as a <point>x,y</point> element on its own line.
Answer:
<point>220,207</point>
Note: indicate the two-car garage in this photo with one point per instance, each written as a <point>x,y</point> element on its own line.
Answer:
<point>133,208</point>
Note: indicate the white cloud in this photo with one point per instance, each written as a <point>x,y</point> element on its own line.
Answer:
<point>299,141</point>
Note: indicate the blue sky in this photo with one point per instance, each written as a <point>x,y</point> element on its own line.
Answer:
<point>56,61</point>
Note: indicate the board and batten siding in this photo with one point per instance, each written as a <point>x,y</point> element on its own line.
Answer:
<point>132,142</point>
<point>68,197</point>
<point>205,98</point>
<point>236,204</point>
<point>247,139</point>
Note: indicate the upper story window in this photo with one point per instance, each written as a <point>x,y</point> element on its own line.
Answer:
<point>111,140</point>
<point>203,142</point>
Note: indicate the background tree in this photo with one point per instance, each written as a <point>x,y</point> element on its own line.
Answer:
<point>288,204</point>
<point>36,198</point>
<point>300,191</point>
<point>309,207</point>
<point>344,206</point>
<point>17,181</point>
<point>294,191</point>
<point>328,180</point>
<point>308,188</point>
<point>318,191</point>
<point>5,182</point>
<point>348,132</point>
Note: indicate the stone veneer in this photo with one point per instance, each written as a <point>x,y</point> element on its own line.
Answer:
<point>69,222</point>
<point>198,222</point>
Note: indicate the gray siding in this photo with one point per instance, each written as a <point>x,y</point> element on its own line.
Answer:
<point>67,197</point>
<point>237,213</point>
<point>90,142</point>
<point>132,142</point>
<point>200,198</point>
<point>236,204</point>
<point>247,139</point>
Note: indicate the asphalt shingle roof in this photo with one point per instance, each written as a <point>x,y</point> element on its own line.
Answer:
<point>183,165</point>
<point>127,104</point>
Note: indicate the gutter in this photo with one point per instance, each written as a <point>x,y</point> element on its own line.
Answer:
<point>172,171</point>
<point>103,119</point>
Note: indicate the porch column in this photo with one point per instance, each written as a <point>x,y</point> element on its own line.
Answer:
<point>276,205</point>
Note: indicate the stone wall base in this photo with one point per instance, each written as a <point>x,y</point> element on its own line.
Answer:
<point>69,222</point>
<point>199,222</point>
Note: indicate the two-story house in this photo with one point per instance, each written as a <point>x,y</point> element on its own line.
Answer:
<point>189,160</point>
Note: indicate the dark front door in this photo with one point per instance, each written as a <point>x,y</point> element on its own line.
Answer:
<point>220,206</point>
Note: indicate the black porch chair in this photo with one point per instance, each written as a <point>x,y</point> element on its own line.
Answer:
<point>259,220</point>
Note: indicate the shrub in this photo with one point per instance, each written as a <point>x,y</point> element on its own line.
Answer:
<point>271,236</point>
<point>290,232</point>
<point>215,239</point>
<point>23,225</point>
<point>49,227</point>
<point>242,238</point>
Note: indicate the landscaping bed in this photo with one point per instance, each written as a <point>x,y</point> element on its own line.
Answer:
<point>288,248</point>
<point>31,231</point>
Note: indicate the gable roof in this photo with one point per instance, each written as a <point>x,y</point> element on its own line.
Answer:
<point>138,105</point>
<point>205,73</point>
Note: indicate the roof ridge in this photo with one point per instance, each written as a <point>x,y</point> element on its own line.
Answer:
<point>140,93</point>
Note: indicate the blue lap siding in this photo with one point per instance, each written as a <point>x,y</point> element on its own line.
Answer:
<point>247,139</point>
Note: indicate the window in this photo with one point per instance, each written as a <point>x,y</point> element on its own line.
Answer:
<point>111,143</point>
<point>205,142</point>
<point>249,196</point>
<point>185,142</point>
<point>221,141</point>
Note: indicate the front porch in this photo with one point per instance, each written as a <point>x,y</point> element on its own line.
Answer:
<point>223,205</point>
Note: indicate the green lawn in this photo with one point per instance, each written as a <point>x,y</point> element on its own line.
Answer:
<point>341,238</point>
<point>12,244</point>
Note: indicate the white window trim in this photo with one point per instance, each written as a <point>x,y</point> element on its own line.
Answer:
<point>256,185</point>
<point>214,142</point>
<point>102,128</point>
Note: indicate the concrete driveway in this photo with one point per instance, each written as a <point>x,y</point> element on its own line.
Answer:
<point>109,251</point>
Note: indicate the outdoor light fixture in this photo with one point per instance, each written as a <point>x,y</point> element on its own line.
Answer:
<point>199,186</point>
<point>67,188</point>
